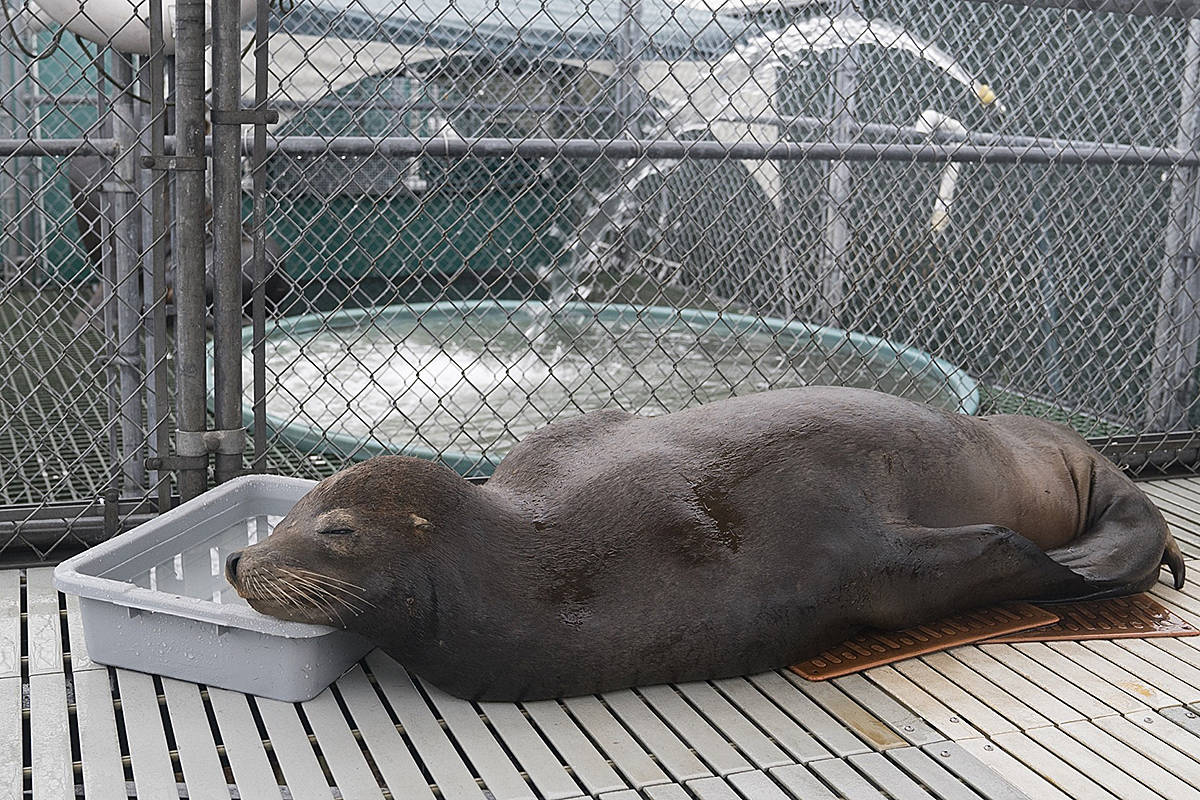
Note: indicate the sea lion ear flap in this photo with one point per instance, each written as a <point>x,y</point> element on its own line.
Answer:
<point>420,524</point>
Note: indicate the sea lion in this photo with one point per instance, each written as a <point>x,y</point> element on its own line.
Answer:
<point>611,550</point>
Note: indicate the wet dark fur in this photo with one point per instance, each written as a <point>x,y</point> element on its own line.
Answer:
<point>611,550</point>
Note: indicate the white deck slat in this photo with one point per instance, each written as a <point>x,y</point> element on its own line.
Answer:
<point>1112,696</point>
<point>534,756</point>
<point>304,776</point>
<point>800,782</point>
<point>928,707</point>
<point>243,745</point>
<point>1172,733</point>
<point>202,771</point>
<point>1170,679</point>
<point>351,772</point>
<point>712,789</point>
<point>422,728</point>
<point>845,780</point>
<point>666,791</point>
<point>153,774</point>
<point>1082,705</point>
<point>845,709</point>
<point>935,778</point>
<point>1092,764</point>
<point>990,783</point>
<point>800,706</point>
<point>734,725</point>
<point>610,735</point>
<point>492,764</point>
<point>902,720</point>
<point>43,626</point>
<point>1146,743</point>
<point>989,669</point>
<point>1054,769</point>
<point>11,734</point>
<point>799,743</point>
<point>888,777</point>
<point>99,748</point>
<point>709,744</point>
<point>672,753</point>
<point>963,703</point>
<point>10,624</point>
<point>590,767</point>
<point>396,764</point>
<point>756,785</point>
<point>986,755</point>
<point>1115,674</point>
<point>1129,760</point>
<point>49,737</point>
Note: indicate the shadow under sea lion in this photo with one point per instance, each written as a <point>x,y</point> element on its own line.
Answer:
<point>611,550</point>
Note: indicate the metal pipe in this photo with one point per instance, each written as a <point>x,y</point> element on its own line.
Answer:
<point>1177,9</point>
<point>835,235</point>
<point>1173,358</point>
<point>916,152</point>
<point>227,233</point>
<point>628,64</point>
<point>127,236</point>
<point>103,146</point>
<point>258,311</point>
<point>108,285</point>
<point>155,290</point>
<point>10,252</point>
<point>191,379</point>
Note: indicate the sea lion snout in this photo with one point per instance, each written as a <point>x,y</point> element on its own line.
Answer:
<point>231,562</point>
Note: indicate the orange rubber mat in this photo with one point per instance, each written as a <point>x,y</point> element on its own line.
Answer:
<point>1137,615</point>
<point>876,648</point>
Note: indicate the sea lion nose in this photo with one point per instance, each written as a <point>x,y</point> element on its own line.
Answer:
<point>231,563</point>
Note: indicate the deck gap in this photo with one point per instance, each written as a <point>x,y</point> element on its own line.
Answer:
<point>165,713</point>
<point>218,743</point>
<point>268,746</point>
<point>114,688</point>
<point>317,752</point>
<point>26,709</point>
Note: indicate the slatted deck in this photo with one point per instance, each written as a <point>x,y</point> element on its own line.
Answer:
<point>1083,720</point>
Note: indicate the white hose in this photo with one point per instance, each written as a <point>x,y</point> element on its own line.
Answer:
<point>930,121</point>
<point>123,25</point>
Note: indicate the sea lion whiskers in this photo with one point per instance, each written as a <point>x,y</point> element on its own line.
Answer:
<point>320,596</point>
<point>332,583</point>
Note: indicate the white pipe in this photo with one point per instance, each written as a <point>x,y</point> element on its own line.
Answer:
<point>123,25</point>
<point>930,121</point>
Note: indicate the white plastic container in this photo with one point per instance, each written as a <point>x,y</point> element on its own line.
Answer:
<point>155,599</point>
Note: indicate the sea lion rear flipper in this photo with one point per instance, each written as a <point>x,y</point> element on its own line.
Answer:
<point>1125,542</point>
<point>949,569</point>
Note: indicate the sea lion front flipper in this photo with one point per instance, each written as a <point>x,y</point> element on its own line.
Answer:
<point>1125,540</point>
<point>940,571</point>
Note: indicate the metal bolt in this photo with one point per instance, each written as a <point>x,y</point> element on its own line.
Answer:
<point>988,747</point>
<point>944,754</point>
<point>909,728</point>
<point>1189,715</point>
<point>1148,720</point>
<point>954,719</point>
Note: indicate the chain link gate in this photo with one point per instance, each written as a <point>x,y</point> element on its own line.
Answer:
<point>429,227</point>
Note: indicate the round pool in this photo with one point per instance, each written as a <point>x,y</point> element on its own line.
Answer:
<point>463,381</point>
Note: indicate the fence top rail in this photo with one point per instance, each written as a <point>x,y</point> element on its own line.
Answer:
<point>1178,9</point>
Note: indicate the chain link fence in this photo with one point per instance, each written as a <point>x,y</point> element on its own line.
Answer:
<point>432,226</point>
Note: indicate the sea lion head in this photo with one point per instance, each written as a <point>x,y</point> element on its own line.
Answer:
<point>355,544</point>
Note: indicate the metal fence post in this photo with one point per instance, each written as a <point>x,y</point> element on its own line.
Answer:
<point>191,378</point>
<point>127,229</point>
<point>227,238</point>
<point>155,288</point>
<point>1172,384</point>
<point>835,236</point>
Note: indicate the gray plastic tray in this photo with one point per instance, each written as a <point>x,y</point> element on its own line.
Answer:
<point>155,599</point>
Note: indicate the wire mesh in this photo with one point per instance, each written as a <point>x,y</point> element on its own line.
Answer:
<point>484,216</point>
